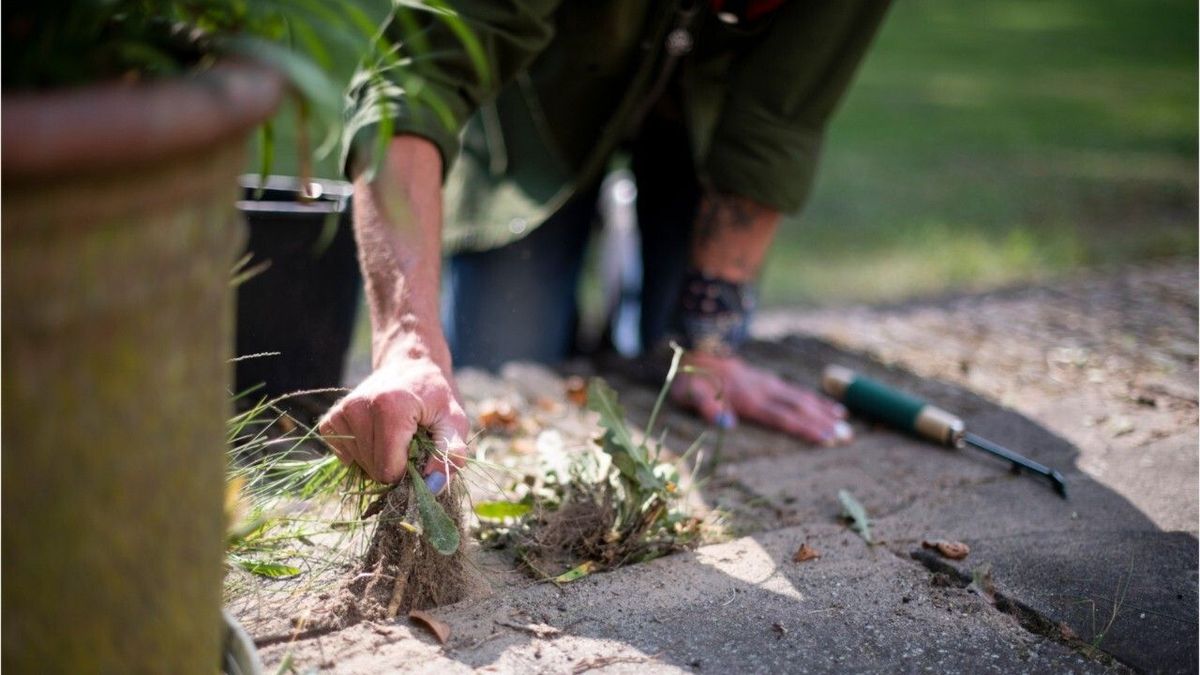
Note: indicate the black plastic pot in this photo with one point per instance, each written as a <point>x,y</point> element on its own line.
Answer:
<point>302,306</point>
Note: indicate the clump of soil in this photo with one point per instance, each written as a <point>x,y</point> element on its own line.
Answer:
<point>401,570</point>
<point>581,527</point>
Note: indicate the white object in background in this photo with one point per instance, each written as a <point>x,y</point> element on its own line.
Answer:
<point>621,260</point>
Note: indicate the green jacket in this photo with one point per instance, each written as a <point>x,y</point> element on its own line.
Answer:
<point>566,81</point>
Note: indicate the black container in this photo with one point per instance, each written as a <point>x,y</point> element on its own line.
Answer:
<point>303,302</point>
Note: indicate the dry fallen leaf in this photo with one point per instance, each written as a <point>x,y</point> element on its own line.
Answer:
<point>954,550</point>
<point>523,446</point>
<point>805,553</point>
<point>497,416</point>
<point>547,404</point>
<point>577,390</point>
<point>439,628</point>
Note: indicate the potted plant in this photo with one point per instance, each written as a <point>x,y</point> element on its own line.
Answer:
<point>125,128</point>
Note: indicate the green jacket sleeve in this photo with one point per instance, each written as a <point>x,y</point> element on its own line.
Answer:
<point>782,91</point>
<point>448,64</point>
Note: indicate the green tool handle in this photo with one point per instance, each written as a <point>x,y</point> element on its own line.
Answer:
<point>897,409</point>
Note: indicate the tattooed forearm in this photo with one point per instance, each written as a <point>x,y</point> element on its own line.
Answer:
<point>731,236</point>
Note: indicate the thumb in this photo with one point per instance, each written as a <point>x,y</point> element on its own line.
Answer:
<point>449,433</point>
<point>703,394</point>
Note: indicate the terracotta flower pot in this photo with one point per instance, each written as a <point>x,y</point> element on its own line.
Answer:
<point>119,232</point>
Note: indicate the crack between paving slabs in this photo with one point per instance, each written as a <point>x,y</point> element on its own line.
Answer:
<point>1028,618</point>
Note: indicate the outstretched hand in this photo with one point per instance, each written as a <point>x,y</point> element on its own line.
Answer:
<point>726,389</point>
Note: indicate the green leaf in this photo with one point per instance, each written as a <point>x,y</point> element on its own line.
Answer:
<point>501,510</point>
<point>853,510</point>
<point>440,530</point>
<point>314,84</point>
<point>603,399</point>
<point>666,388</point>
<point>270,570</point>
<point>577,572</point>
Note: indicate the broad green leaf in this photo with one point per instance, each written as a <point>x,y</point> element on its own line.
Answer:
<point>270,570</point>
<point>501,510</point>
<point>441,532</point>
<point>577,572</point>
<point>602,399</point>
<point>853,510</point>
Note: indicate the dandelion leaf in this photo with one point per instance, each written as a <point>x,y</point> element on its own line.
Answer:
<point>501,510</point>
<point>440,530</point>
<point>603,400</point>
<point>631,459</point>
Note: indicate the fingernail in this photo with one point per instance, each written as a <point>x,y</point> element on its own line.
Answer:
<point>436,481</point>
<point>842,432</point>
<point>726,420</point>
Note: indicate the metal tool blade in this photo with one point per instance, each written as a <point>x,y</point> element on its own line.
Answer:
<point>1018,462</point>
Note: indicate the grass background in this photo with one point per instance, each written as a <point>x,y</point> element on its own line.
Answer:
<point>992,143</point>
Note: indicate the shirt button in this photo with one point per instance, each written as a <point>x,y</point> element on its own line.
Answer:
<point>517,225</point>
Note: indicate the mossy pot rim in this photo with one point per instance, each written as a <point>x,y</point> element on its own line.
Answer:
<point>115,124</point>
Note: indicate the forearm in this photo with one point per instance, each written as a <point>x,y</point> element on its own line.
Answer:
<point>730,241</point>
<point>731,237</point>
<point>398,220</point>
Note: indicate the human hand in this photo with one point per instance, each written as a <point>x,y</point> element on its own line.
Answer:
<point>724,389</point>
<point>374,424</point>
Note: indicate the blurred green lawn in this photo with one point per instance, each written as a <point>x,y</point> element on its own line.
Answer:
<point>991,143</point>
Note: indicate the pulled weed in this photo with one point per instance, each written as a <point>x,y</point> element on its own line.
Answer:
<point>612,503</point>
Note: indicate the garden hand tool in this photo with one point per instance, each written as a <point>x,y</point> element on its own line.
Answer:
<point>908,413</point>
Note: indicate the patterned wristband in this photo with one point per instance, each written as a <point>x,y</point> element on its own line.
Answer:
<point>714,314</point>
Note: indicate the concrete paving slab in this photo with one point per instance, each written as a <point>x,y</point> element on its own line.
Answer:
<point>1130,593</point>
<point>743,606</point>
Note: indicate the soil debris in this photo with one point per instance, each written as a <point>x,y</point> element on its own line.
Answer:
<point>540,630</point>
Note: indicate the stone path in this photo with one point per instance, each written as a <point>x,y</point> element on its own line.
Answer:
<point>1097,376</point>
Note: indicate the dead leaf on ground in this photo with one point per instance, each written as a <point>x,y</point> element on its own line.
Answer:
<point>954,550</point>
<point>439,628</point>
<point>805,553</point>
<point>547,404</point>
<point>497,415</point>
<point>577,390</point>
<point>523,446</point>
